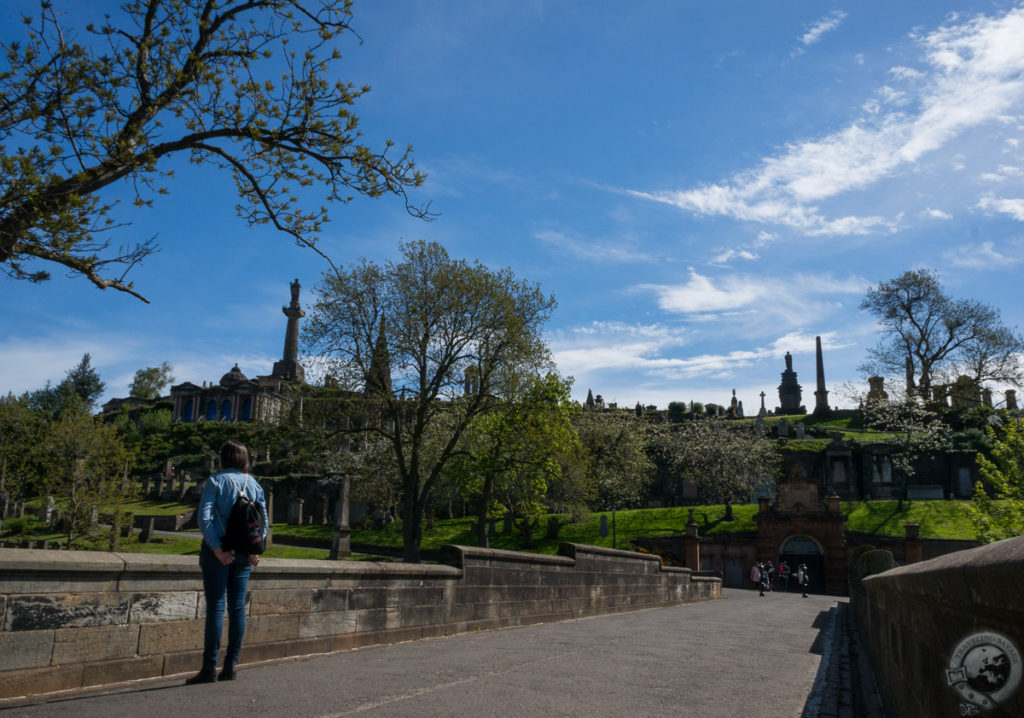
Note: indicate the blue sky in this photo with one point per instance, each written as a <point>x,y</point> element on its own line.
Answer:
<point>703,186</point>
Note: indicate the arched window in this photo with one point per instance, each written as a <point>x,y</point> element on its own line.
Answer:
<point>225,410</point>
<point>247,409</point>
<point>211,410</point>
<point>186,414</point>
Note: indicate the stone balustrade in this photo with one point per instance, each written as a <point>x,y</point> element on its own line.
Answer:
<point>76,619</point>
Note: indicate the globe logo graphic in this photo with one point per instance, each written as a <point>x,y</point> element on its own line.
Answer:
<point>987,668</point>
<point>984,670</point>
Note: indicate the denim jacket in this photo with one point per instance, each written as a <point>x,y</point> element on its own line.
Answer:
<point>219,496</point>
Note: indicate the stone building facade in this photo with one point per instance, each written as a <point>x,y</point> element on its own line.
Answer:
<point>235,397</point>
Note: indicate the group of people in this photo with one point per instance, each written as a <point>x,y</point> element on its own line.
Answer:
<point>766,576</point>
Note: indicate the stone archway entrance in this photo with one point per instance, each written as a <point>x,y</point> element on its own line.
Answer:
<point>798,550</point>
<point>799,529</point>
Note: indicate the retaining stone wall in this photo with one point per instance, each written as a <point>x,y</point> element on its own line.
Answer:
<point>915,617</point>
<point>75,619</point>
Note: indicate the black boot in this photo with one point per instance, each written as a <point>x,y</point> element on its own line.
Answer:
<point>207,675</point>
<point>227,674</point>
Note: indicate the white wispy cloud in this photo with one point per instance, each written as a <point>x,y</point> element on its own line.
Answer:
<point>905,73</point>
<point>602,252</point>
<point>826,24</point>
<point>1002,174</point>
<point>1008,206</point>
<point>658,351</point>
<point>933,213</point>
<point>728,255</point>
<point>736,294</point>
<point>30,363</point>
<point>972,77</point>
<point>982,256</point>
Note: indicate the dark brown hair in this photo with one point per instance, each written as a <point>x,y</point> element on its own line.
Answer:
<point>234,455</point>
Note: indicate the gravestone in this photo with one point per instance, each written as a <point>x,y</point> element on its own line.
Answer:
<point>323,509</point>
<point>800,432</point>
<point>147,529</point>
<point>965,394</point>
<point>159,487</point>
<point>604,526</point>
<point>295,512</point>
<point>1011,400</point>
<point>876,389</point>
<point>48,516</point>
<point>783,427</point>
<point>145,487</point>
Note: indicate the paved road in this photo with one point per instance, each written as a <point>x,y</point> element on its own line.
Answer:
<point>742,656</point>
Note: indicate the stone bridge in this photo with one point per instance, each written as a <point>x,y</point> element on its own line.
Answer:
<point>592,632</point>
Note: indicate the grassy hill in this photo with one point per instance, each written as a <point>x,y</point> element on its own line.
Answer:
<point>938,519</point>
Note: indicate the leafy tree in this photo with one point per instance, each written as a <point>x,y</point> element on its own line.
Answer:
<point>149,438</point>
<point>941,336</point>
<point>616,460</point>
<point>149,383</point>
<point>677,411</point>
<point>85,464</point>
<point>1002,472</point>
<point>20,430</point>
<point>914,431</point>
<point>455,333</point>
<point>696,407</point>
<point>511,455</point>
<point>247,86</point>
<point>79,390</point>
<point>725,460</point>
<point>53,401</point>
<point>85,382</point>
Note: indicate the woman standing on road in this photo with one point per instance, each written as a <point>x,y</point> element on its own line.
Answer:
<point>225,572</point>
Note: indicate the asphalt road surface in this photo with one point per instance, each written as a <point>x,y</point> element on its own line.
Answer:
<point>741,656</point>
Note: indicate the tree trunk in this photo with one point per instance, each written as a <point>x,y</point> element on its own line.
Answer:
<point>481,512</point>
<point>526,534</point>
<point>412,534</point>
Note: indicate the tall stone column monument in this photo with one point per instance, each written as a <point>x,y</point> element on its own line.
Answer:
<point>289,368</point>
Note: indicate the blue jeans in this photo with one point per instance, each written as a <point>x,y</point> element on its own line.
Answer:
<point>220,580</point>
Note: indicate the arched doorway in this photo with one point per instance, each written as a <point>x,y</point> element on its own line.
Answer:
<point>803,549</point>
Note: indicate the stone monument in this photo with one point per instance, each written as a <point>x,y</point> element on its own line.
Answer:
<point>289,368</point>
<point>821,407</point>
<point>790,392</point>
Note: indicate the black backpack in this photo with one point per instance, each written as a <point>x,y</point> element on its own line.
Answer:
<point>246,527</point>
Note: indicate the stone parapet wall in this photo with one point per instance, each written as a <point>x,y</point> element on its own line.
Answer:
<point>77,619</point>
<point>915,618</point>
